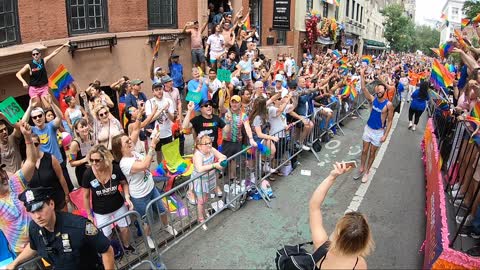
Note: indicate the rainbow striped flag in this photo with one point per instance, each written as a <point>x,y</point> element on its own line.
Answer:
<point>353,92</point>
<point>476,19</point>
<point>247,25</point>
<point>367,59</point>
<point>336,54</point>
<point>346,91</point>
<point>458,35</point>
<point>434,95</point>
<point>465,22</point>
<point>473,124</point>
<point>440,77</point>
<point>445,49</point>
<point>436,51</point>
<point>476,111</point>
<point>343,60</point>
<point>59,80</point>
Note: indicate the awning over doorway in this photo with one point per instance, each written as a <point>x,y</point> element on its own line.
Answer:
<point>373,44</point>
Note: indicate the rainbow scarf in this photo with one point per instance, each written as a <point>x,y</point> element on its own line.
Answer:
<point>465,22</point>
<point>440,77</point>
<point>367,59</point>
<point>59,80</point>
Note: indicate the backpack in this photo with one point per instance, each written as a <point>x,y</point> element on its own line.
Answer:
<point>296,257</point>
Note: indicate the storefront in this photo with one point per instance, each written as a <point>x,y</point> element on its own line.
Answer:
<point>373,47</point>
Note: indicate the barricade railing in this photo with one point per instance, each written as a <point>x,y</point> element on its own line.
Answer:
<point>137,238</point>
<point>32,264</point>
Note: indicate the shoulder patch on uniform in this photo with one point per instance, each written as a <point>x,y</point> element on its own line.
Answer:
<point>90,229</point>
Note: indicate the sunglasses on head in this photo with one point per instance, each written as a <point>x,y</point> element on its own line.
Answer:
<point>96,160</point>
<point>35,117</point>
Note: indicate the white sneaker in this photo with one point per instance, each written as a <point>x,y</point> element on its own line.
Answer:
<point>171,230</point>
<point>457,194</point>
<point>252,178</point>
<point>306,148</point>
<point>267,169</point>
<point>204,227</point>
<point>456,187</point>
<point>414,127</point>
<point>150,242</point>
<point>468,221</point>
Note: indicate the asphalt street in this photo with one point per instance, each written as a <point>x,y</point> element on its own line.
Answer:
<point>394,204</point>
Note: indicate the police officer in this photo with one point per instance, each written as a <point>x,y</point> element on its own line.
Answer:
<point>65,240</point>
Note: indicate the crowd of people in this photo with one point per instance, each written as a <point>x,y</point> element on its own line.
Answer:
<point>113,155</point>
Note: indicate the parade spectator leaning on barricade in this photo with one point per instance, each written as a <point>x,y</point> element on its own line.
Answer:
<point>14,218</point>
<point>38,89</point>
<point>48,173</point>
<point>136,168</point>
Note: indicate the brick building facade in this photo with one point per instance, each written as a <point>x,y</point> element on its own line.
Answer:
<point>129,25</point>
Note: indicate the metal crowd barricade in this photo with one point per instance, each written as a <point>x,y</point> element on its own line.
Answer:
<point>32,264</point>
<point>322,126</point>
<point>235,181</point>
<point>140,243</point>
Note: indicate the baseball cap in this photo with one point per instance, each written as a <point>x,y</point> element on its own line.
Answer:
<point>136,82</point>
<point>33,198</point>
<point>157,69</point>
<point>166,79</point>
<point>175,55</point>
<point>36,110</point>
<point>278,77</point>
<point>237,98</point>
<point>157,85</point>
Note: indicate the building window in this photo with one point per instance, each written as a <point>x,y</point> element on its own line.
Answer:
<point>353,9</point>
<point>358,12</point>
<point>162,13</point>
<point>281,37</point>
<point>87,16</point>
<point>455,12</point>
<point>336,13</point>
<point>347,8</point>
<point>9,31</point>
<point>325,9</point>
<point>361,15</point>
<point>309,5</point>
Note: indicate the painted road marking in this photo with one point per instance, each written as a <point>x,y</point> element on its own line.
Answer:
<point>355,150</point>
<point>362,189</point>
<point>332,144</point>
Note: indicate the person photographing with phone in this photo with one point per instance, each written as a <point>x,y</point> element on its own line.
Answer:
<point>351,241</point>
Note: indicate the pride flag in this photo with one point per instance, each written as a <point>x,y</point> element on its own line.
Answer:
<point>476,19</point>
<point>343,60</point>
<point>367,59</point>
<point>476,111</point>
<point>346,91</point>
<point>336,54</point>
<point>465,22</point>
<point>436,51</point>
<point>440,77</point>
<point>247,25</point>
<point>445,49</point>
<point>59,80</point>
<point>458,35</point>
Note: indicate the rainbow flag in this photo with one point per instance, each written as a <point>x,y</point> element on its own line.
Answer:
<point>59,80</point>
<point>157,47</point>
<point>465,22</point>
<point>440,77</point>
<point>343,60</point>
<point>476,111</point>
<point>436,51</point>
<point>367,59</point>
<point>434,95</point>
<point>247,25</point>
<point>445,49</point>
<point>333,25</point>
<point>473,124</point>
<point>476,19</point>
<point>458,35</point>
<point>346,91</point>
<point>353,93</point>
<point>336,54</point>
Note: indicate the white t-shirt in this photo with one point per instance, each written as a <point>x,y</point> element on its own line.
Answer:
<point>214,85</point>
<point>217,45</point>
<point>140,184</point>
<point>163,124</point>
<point>278,123</point>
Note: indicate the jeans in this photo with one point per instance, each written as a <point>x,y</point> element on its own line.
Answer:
<point>140,204</point>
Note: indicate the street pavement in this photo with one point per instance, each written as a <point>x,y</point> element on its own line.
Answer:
<point>393,202</point>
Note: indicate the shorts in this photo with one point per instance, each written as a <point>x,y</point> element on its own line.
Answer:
<point>140,204</point>
<point>38,91</point>
<point>104,218</point>
<point>231,148</point>
<point>373,136</point>
<point>198,56</point>
<point>163,142</point>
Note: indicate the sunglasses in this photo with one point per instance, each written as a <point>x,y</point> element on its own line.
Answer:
<point>37,116</point>
<point>35,54</point>
<point>103,114</point>
<point>95,160</point>
<point>207,105</point>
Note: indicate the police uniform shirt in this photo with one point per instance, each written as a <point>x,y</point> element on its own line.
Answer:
<point>74,244</point>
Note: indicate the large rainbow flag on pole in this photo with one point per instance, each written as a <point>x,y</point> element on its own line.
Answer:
<point>440,77</point>
<point>59,80</point>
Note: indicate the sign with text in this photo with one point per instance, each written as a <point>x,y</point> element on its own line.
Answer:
<point>224,75</point>
<point>281,15</point>
<point>12,111</point>
<point>196,97</point>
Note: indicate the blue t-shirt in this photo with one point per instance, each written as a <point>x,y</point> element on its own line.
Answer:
<point>176,72</point>
<point>131,100</point>
<point>48,140</point>
<point>418,104</point>
<point>193,85</point>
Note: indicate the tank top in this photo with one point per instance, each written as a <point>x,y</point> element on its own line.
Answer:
<point>39,73</point>
<point>375,119</point>
<point>45,176</point>
<point>75,114</point>
<point>83,148</point>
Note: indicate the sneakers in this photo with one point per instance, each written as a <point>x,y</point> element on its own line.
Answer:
<point>410,125</point>
<point>414,128</point>
<point>204,227</point>
<point>130,249</point>
<point>467,231</point>
<point>457,194</point>
<point>459,203</point>
<point>456,186</point>
<point>306,148</point>
<point>468,221</point>
<point>171,230</point>
<point>150,242</point>
<point>357,174</point>
<point>365,178</point>
<point>267,168</point>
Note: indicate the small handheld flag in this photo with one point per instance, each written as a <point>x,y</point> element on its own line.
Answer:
<point>59,80</point>
<point>367,59</point>
<point>440,77</point>
<point>465,22</point>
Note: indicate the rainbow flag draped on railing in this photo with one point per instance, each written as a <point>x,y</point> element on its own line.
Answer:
<point>440,77</point>
<point>59,80</point>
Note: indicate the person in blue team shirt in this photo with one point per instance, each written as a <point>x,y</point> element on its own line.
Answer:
<point>176,72</point>
<point>197,84</point>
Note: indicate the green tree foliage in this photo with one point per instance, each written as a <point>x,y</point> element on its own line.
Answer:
<point>399,29</point>
<point>425,38</point>
<point>471,8</point>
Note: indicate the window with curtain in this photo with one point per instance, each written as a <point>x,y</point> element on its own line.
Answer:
<point>87,16</point>
<point>9,30</point>
<point>162,13</point>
